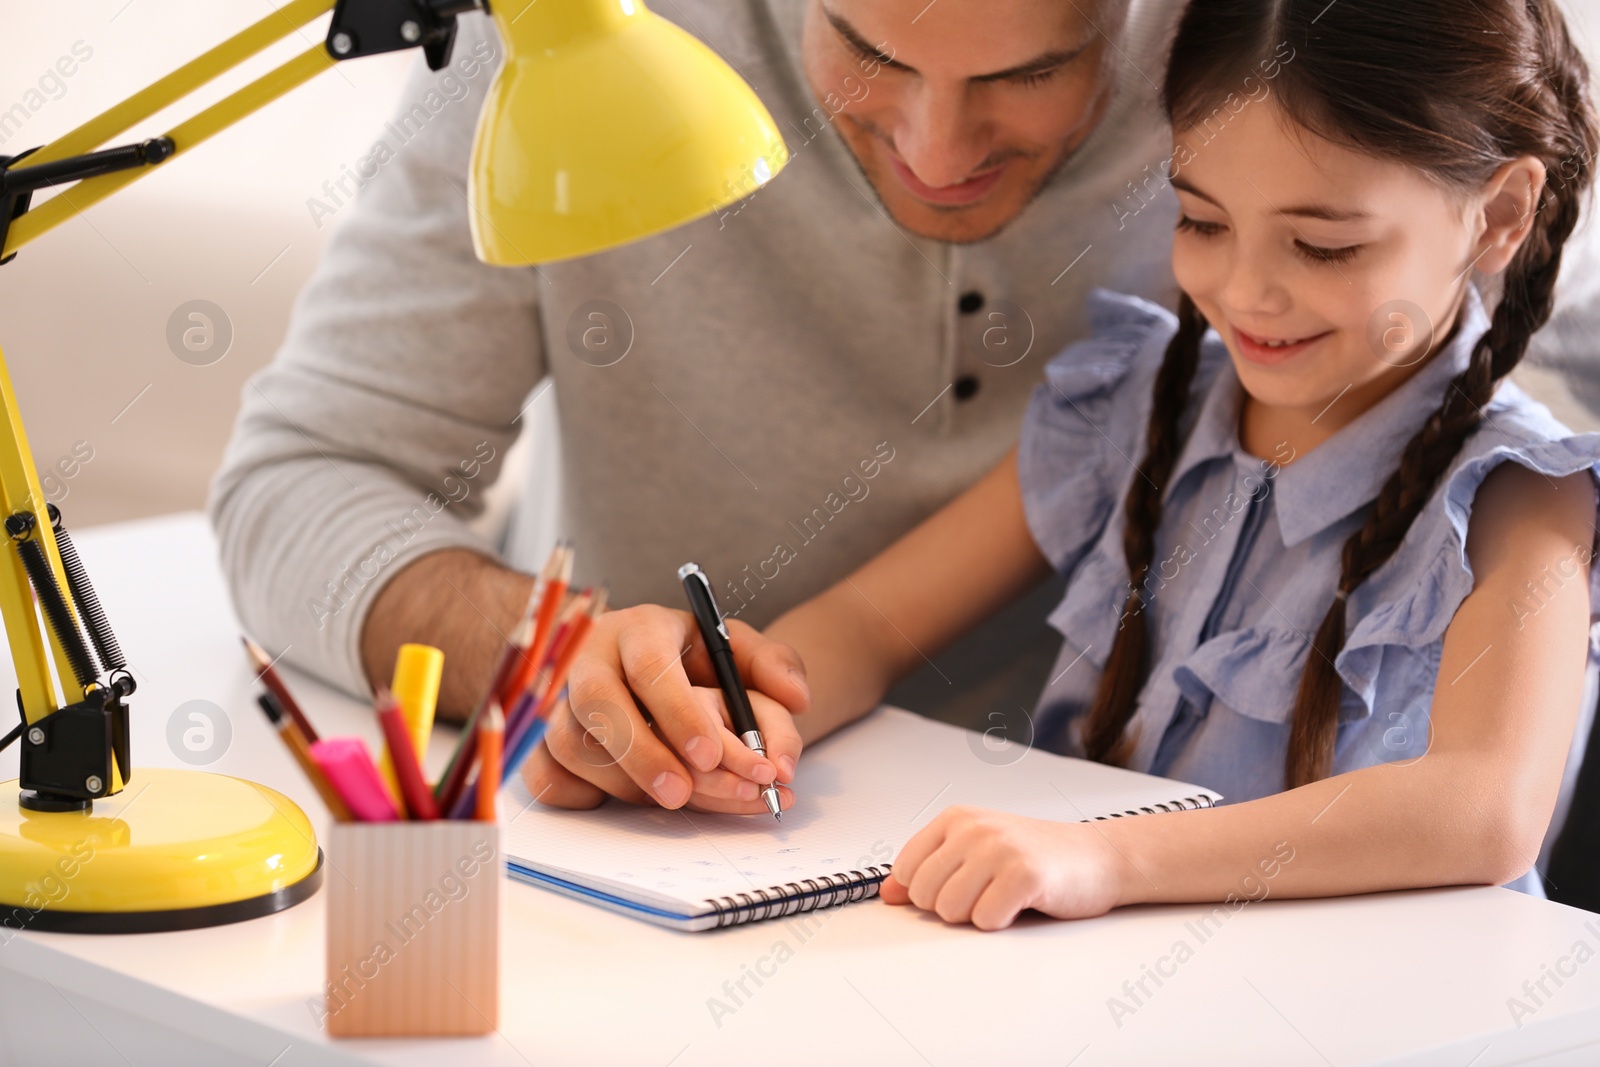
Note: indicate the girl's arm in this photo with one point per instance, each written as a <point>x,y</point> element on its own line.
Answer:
<point>1474,809</point>
<point>963,563</point>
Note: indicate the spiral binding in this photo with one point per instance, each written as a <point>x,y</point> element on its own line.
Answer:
<point>792,898</point>
<point>810,894</point>
<point>1181,804</point>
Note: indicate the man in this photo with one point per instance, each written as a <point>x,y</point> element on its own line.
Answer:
<point>775,392</point>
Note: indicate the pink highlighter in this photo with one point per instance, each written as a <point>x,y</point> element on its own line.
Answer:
<point>352,773</point>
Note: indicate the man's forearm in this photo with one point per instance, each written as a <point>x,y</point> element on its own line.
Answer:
<point>458,601</point>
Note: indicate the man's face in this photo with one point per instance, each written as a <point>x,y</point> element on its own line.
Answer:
<point>958,111</point>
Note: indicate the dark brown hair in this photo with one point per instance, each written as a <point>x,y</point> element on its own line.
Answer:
<point>1455,88</point>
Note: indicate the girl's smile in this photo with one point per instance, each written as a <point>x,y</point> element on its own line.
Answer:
<point>1268,350</point>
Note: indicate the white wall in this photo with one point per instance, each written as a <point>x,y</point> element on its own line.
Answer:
<point>84,310</point>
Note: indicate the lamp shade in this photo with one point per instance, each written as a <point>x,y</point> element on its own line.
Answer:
<point>607,123</point>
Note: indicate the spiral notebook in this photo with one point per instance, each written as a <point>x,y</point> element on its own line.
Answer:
<point>860,795</point>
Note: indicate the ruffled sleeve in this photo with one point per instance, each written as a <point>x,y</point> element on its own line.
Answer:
<point>1084,425</point>
<point>1410,602</point>
<point>1255,671</point>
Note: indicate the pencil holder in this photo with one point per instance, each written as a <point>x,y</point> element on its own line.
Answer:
<point>413,928</point>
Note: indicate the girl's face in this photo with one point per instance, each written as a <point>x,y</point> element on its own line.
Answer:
<point>1330,274</point>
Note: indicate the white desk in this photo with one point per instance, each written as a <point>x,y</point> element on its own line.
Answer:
<point>1413,978</point>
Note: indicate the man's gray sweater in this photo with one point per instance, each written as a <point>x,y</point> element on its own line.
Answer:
<point>777,391</point>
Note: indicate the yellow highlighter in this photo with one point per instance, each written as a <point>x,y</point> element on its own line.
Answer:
<point>416,687</point>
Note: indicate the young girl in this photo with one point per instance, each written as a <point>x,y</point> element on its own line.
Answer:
<point>1322,558</point>
<point>1328,542</point>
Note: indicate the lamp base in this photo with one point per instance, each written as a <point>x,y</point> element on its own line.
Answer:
<point>48,802</point>
<point>175,850</point>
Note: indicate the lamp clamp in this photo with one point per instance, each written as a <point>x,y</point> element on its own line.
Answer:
<point>67,756</point>
<point>371,27</point>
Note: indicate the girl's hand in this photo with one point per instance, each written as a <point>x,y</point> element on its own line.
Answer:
<point>984,867</point>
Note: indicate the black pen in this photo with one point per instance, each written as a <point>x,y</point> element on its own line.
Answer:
<point>714,631</point>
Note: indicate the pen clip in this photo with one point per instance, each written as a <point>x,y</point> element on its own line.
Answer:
<point>692,570</point>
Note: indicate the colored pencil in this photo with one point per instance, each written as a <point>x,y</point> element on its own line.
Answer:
<point>491,744</point>
<point>295,741</point>
<point>518,752</point>
<point>519,719</point>
<point>414,792</point>
<point>454,780</point>
<point>571,645</point>
<point>530,718</point>
<point>268,676</point>
<point>560,583</point>
<point>549,591</point>
<point>518,660</point>
<point>520,711</point>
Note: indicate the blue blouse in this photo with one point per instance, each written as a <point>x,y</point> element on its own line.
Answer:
<point>1247,558</point>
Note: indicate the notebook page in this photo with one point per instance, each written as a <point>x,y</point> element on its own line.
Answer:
<point>860,795</point>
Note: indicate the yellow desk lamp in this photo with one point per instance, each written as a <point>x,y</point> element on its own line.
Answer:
<point>605,124</point>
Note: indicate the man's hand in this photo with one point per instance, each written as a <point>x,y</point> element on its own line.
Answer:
<point>644,720</point>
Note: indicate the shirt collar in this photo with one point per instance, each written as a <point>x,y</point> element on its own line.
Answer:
<point>1346,471</point>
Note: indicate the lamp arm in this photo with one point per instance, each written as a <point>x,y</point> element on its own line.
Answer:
<point>31,224</point>
<point>359,28</point>
<point>75,749</point>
